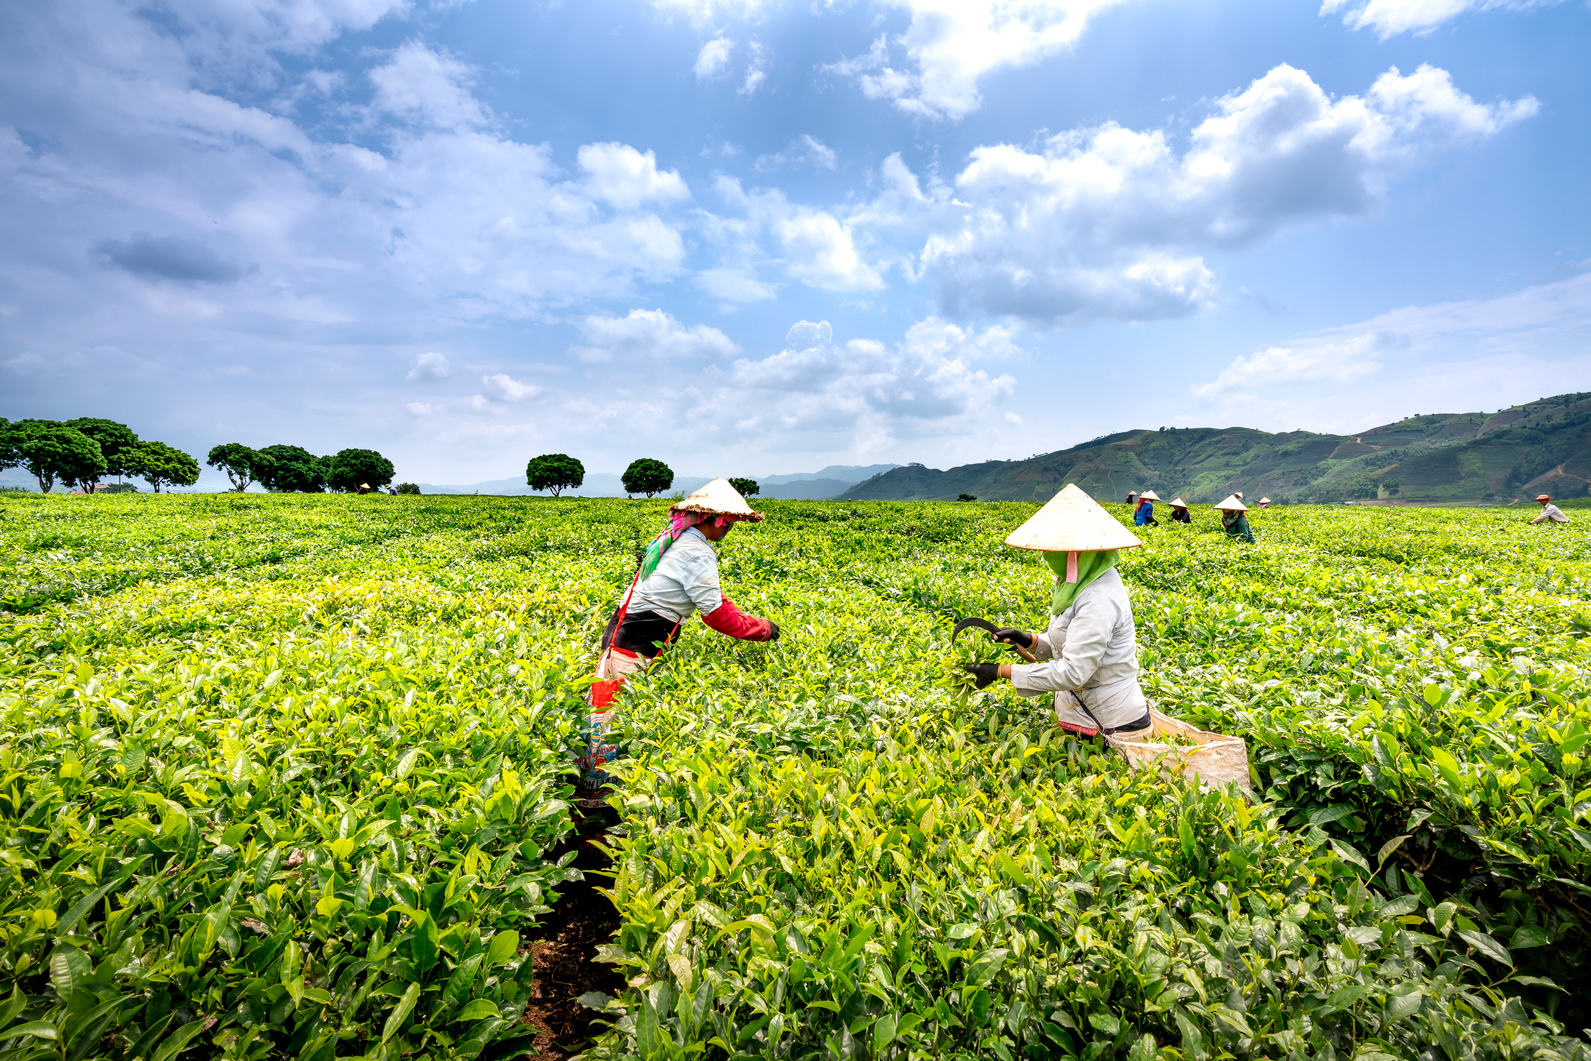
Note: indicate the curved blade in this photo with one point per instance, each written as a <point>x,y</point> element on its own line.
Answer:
<point>971,624</point>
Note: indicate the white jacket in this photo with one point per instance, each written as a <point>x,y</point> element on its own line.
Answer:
<point>1552,513</point>
<point>684,581</point>
<point>1090,651</point>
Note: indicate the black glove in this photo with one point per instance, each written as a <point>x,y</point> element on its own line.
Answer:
<point>1010,635</point>
<point>982,673</point>
<point>773,630</point>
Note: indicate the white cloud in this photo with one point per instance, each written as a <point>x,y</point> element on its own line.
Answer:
<point>756,69</point>
<point>506,388</point>
<point>712,61</point>
<point>1541,334</point>
<point>1112,223</point>
<point>652,335</point>
<point>1391,17</point>
<point>804,150</point>
<point>816,248</point>
<point>626,178</point>
<point>419,408</point>
<point>733,285</point>
<point>953,43</point>
<point>705,11</point>
<point>426,86</point>
<point>430,366</point>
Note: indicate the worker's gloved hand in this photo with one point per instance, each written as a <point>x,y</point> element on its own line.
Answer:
<point>982,673</point>
<point>773,630</point>
<point>1010,635</point>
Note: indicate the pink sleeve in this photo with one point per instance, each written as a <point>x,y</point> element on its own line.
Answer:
<point>730,620</point>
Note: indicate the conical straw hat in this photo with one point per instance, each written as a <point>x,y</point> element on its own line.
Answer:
<point>1231,504</point>
<point>1265,500</point>
<point>1177,502</point>
<point>717,498</point>
<point>1071,522</point>
<point>1149,495</point>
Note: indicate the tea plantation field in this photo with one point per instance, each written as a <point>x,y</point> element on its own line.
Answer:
<point>285,777</point>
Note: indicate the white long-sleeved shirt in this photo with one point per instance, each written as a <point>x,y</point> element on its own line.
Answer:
<point>1091,651</point>
<point>685,580</point>
<point>1552,513</point>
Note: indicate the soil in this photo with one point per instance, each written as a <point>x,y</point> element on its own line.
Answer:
<point>565,948</point>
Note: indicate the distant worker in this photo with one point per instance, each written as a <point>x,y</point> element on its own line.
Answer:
<point>1088,655</point>
<point>364,488</point>
<point>1144,515</point>
<point>1132,499</point>
<point>1550,513</point>
<point>678,575</point>
<point>1265,502</point>
<point>1179,511</point>
<point>1233,521</point>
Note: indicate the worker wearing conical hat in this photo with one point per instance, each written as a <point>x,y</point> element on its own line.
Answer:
<point>1550,513</point>
<point>1088,655</point>
<point>678,576</point>
<point>1179,511</point>
<point>1144,514</point>
<point>1233,520</point>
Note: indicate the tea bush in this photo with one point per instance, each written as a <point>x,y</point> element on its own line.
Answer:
<point>285,777</point>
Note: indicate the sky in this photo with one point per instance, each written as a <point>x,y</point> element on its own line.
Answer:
<point>752,237</point>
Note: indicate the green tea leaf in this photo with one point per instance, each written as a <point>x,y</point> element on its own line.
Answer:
<point>400,1013</point>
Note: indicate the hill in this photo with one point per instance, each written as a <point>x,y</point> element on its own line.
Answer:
<point>1514,453</point>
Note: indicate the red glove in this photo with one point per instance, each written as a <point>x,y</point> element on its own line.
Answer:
<point>730,620</point>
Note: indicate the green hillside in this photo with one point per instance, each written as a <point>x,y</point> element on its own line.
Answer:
<point>1516,453</point>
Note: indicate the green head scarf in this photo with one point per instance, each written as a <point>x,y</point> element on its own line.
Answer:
<point>1090,565</point>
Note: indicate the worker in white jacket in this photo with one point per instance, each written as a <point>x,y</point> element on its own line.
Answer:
<point>1088,656</point>
<point>1550,513</point>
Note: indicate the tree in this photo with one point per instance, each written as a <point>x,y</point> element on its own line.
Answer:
<point>156,463</point>
<point>745,487</point>
<point>51,451</point>
<point>351,468</point>
<point>966,497</point>
<point>647,476</point>
<point>114,440</point>
<point>554,471</point>
<point>290,470</point>
<point>241,464</point>
<point>408,488</point>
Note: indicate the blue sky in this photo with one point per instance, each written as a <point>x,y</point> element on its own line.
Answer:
<point>751,237</point>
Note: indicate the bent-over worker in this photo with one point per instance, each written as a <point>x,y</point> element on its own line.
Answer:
<point>1550,513</point>
<point>1233,521</point>
<point>1145,514</point>
<point>678,575</point>
<point>1088,655</point>
<point>1179,511</point>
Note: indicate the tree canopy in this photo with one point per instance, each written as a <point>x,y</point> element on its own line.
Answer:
<point>157,463</point>
<point>291,469</point>
<point>647,476</point>
<point>350,468</point>
<point>51,451</point>
<point>746,487</point>
<point>554,471</point>
<point>114,440</point>
<point>241,464</point>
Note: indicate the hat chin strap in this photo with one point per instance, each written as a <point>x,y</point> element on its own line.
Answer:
<point>1071,567</point>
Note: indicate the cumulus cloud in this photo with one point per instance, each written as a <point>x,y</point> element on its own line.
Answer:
<point>756,69</point>
<point>804,150</point>
<point>626,178</point>
<point>506,388</point>
<point>814,247</point>
<point>650,334</point>
<point>952,43</point>
<point>712,61</point>
<point>429,366</point>
<point>1391,17</point>
<point>1110,222</point>
<point>427,86</point>
<point>168,258</point>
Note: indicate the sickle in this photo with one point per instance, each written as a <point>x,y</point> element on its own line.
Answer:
<point>972,624</point>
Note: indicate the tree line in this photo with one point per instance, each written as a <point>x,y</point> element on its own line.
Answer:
<point>79,453</point>
<point>293,469</point>
<point>557,472</point>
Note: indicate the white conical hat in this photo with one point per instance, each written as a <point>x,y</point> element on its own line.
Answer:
<point>1231,504</point>
<point>1071,522</point>
<point>717,498</point>
<point>1177,502</point>
<point>1149,495</point>
<point>1265,500</point>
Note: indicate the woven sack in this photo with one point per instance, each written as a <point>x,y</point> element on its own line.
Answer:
<point>1214,758</point>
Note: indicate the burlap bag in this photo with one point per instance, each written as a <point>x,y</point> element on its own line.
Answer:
<point>1214,758</point>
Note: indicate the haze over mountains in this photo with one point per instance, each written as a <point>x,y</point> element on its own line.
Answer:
<point>1541,446</point>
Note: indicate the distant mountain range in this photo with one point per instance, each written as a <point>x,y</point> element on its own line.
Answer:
<point>1541,446</point>
<point>800,486</point>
